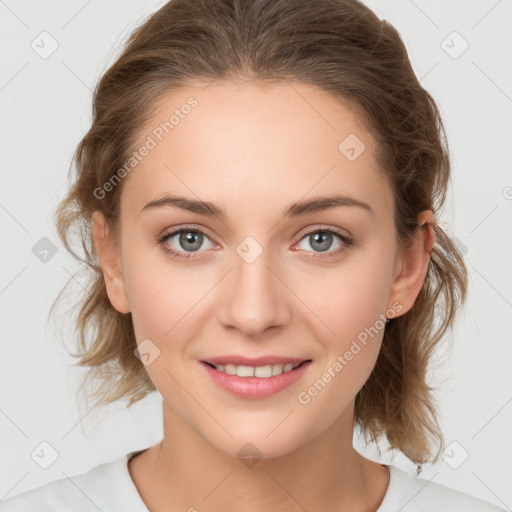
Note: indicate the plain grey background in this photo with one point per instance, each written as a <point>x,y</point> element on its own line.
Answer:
<point>52,54</point>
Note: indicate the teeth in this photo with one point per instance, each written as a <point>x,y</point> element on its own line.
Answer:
<point>258,371</point>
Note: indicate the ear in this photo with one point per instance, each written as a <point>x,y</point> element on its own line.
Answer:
<point>108,254</point>
<point>412,264</point>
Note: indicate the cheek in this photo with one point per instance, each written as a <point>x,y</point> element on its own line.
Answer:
<point>347,306</point>
<point>164,297</point>
<point>164,305</point>
<point>348,298</point>
<point>351,306</point>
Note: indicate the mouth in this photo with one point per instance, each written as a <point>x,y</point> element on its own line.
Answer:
<point>262,378</point>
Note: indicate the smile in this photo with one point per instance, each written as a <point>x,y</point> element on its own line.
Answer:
<point>255,382</point>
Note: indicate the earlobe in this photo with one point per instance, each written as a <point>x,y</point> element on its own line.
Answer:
<point>414,264</point>
<point>109,257</point>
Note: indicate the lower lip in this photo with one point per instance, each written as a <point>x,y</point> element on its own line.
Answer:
<point>255,387</point>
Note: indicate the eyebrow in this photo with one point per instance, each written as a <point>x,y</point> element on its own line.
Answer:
<point>297,209</point>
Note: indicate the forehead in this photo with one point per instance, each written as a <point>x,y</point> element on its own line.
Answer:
<point>254,144</point>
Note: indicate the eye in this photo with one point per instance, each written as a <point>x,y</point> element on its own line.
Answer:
<point>321,240</point>
<point>181,242</point>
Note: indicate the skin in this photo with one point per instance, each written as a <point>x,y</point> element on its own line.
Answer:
<point>253,150</point>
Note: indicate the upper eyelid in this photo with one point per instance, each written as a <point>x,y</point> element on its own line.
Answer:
<point>175,231</point>
<point>319,227</point>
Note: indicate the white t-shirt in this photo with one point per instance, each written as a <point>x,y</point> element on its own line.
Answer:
<point>109,487</point>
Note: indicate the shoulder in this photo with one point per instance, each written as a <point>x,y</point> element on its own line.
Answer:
<point>409,493</point>
<point>107,486</point>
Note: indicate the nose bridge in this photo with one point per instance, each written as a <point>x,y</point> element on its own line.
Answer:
<point>255,299</point>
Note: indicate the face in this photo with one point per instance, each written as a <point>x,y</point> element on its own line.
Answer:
<point>267,276</point>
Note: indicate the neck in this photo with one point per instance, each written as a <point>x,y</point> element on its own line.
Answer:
<point>326,473</point>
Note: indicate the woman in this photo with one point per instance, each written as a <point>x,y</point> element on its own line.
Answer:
<point>257,197</point>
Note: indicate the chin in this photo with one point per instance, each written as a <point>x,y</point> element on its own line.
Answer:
<point>260,442</point>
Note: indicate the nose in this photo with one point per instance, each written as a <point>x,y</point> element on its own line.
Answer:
<point>255,298</point>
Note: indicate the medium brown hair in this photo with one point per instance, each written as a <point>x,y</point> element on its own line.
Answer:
<point>339,46</point>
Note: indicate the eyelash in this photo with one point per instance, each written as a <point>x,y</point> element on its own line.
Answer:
<point>175,255</point>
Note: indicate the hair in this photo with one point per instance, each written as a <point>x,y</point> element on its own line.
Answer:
<point>339,46</point>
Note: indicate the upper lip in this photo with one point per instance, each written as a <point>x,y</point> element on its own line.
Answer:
<point>254,361</point>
